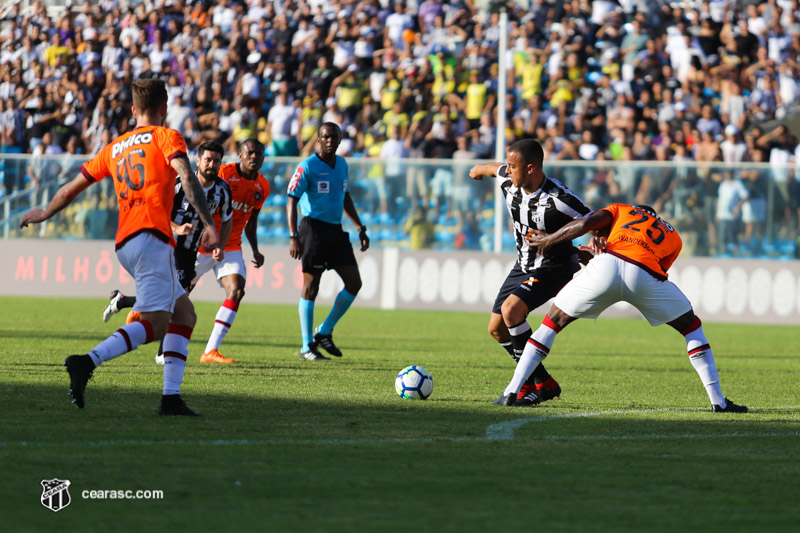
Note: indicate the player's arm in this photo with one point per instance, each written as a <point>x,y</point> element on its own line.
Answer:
<point>62,199</point>
<point>250,233</point>
<point>194,193</point>
<point>291,215</point>
<point>181,229</point>
<point>478,172</point>
<point>596,221</point>
<point>352,214</point>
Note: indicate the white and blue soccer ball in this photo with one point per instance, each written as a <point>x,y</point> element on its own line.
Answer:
<point>413,383</point>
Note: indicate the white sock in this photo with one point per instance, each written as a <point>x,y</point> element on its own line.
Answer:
<point>124,340</point>
<point>536,349</point>
<point>702,359</point>
<point>222,324</point>
<point>176,348</point>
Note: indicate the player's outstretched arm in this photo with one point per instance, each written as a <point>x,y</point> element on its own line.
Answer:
<point>62,199</point>
<point>195,195</point>
<point>576,228</point>
<point>350,209</point>
<point>479,171</point>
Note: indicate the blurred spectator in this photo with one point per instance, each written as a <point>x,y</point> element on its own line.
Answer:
<point>420,229</point>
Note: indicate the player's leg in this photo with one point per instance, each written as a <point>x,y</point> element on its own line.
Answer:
<point>661,301</point>
<point>587,295</point>
<point>702,359</point>
<point>305,308</point>
<point>231,274</point>
<point>323,336</point>
<point>533,291</point>
<point>499,332</point>
<point>315,243</point>
<point>340,257</point>
<point>144,257</point>
<point>185,268</point>
<point>117,302</point>
<point>176,351</point>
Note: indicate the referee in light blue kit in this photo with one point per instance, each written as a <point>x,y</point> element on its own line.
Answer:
<point>320,187</point>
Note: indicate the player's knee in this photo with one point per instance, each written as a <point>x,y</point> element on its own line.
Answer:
<point>513,313</point>
<point>495,332</point>
<point>236,294</point>
<point>310,292</point>
<point>353,287</point>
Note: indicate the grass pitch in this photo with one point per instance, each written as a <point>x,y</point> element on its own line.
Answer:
<point>289,445</point>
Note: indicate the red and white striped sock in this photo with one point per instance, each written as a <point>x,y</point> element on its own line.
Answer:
<point>536,349</point>
<point>222,324</point>
<point>176,348</point>
<point>702,359</point>
<point>124,340</point>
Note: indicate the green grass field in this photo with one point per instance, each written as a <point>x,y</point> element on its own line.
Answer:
<point>287,445</point>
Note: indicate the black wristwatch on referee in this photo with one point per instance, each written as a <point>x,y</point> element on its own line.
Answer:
<point>362,229</point>
<point>293,235</point>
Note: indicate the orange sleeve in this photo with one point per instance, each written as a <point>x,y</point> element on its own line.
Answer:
<point>97,167</point>
<point>171,143</point>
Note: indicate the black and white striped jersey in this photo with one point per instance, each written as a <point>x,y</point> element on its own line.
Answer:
<point>547,209</point>
<point>218,198</point>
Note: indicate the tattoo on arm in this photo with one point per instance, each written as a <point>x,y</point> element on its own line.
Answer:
<point>193,189</point>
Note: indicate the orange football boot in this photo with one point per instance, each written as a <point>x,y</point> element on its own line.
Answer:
<point>213,356</point>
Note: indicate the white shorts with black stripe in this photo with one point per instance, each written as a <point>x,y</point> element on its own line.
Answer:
<point>607,280</point>
<point>151,263</point>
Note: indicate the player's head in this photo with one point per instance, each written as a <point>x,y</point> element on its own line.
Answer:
<point>209,158</point>
<point>328,138</point>
<point>525,159</point>
<point>251,155</point>
<point>149,98</point>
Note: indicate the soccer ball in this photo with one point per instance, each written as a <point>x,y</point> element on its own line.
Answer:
<point>413,383</point>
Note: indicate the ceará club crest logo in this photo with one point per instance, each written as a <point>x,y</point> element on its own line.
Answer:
<point>55,494</point>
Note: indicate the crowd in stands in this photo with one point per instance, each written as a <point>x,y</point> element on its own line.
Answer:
<point>628,80</point>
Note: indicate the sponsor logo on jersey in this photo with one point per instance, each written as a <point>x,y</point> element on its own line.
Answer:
<point>241,206</point>
<point>138,138</point>
<point>530,281</point>
<point>324,187</point>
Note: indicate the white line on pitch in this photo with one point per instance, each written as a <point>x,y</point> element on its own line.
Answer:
<point>505,430</point>
<point>275,442</point>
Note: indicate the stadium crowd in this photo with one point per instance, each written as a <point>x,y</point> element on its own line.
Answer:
<point>629,80</point>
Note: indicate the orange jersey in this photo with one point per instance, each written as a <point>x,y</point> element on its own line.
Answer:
<point>139,162</point>
<point>643,239</point>
<point>246,196</point>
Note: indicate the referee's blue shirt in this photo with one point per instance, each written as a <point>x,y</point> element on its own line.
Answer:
<point>320,188</point>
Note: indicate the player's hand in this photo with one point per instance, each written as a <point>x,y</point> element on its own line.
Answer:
<point>258,259</point>
<point>362,236</point>
<point>596,246</point>
<point>218,254</point>
<point>184,229</point>
<point>209,240</point>
<point>34,216</point>
<point>294,248</point>
<point>538,239</point>
<point>476,172</point>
